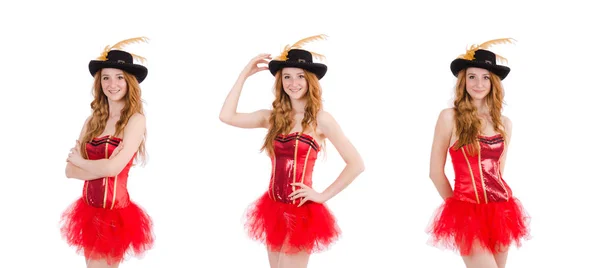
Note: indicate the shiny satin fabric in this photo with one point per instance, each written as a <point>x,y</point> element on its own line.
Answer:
<point>477,177</point>
<point>108,192</point>
<point>293,161</point>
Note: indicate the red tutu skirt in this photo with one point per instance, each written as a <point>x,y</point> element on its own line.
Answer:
<point>107,234</point>
<point>291,229</point>
<point>458,224</point>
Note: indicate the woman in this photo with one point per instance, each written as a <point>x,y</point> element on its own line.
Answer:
<point>291,218</point>
<point>480,218</point>
<point>104,223</point>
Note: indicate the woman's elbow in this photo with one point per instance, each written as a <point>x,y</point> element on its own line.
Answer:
<point>225,118</point>
<point>436,175</point>
<point>110,169</point>
<point>68,172</point>
<point>359,166</point>
<point>113,172</point>
<point>222,118</point>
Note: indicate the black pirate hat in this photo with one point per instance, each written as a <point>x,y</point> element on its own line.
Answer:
<point>478,56</point>
<point>294,56</point>
<point>114,57</point>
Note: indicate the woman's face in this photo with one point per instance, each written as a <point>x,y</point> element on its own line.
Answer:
<point>113,83</point>
<point>479,82</point>
<point>294,82</point>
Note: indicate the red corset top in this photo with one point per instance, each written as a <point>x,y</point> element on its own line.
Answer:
<point>477,177</point>
<point>107,192</point>
<point>293,161</point>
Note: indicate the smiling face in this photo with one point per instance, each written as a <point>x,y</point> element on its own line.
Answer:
<point>478,83</point>
<point>294,82</point>
<point>113,83</point>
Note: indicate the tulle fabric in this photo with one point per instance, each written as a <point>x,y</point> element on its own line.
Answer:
<point>109,234</point>
<point>496,226</point>
<point>291,229</point>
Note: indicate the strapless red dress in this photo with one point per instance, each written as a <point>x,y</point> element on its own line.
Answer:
<point>482,208</point>
<point>104,223</point>
<point>277,221</point>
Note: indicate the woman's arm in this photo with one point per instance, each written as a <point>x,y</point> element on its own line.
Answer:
<point>132,138</point>
<point>229,114</point>
<point>439,150</point>
<point>75,172</point>
<point>354,162</point>
<point>508,130</point>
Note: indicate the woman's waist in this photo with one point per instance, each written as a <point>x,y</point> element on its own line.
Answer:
<point>466,200</point>
<point>482,194</point>
<point>281,189</point>
<point>105,193</point>
<point>107,201</point>
<point>285,182</point>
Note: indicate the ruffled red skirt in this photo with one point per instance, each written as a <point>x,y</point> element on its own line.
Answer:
<point>291,229</point>
<point>107,234</point>
<point>495,226</point>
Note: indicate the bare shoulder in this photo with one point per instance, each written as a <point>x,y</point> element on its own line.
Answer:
<point>507,123</point>
<point>137,118</point>
<point>445,121</point>
<point>327,125</point>
<point>87,121</point>
<point>444,128</point>
<point>447,115</point>
<point>324,117</point>
<point>136,121</point>
<point>326,122</point>
<point>84,127</point>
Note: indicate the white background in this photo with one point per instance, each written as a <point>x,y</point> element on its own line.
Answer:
<point>388,79</point>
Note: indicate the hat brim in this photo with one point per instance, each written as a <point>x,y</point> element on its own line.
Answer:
<point>318,69</point>
<point>459,64</point>
<point>139,71</point>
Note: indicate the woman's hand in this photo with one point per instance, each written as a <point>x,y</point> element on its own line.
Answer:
<point>306,193</point>
<point>75,157</point>
<point>255,65</point>
<point>75,153</point>
<point>116,150</point>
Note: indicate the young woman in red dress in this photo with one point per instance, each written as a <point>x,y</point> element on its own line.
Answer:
<point>291,217</point>
<point>104,224</point>
<point>480,217</point>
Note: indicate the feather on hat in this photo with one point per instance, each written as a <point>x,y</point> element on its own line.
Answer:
<point>295,56</point>
<point>479,56</point>
<point>115,57</point>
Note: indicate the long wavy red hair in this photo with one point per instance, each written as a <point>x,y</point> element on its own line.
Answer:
<point>281,120</point>
<point>97,122</point>
<point>466,120</point>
